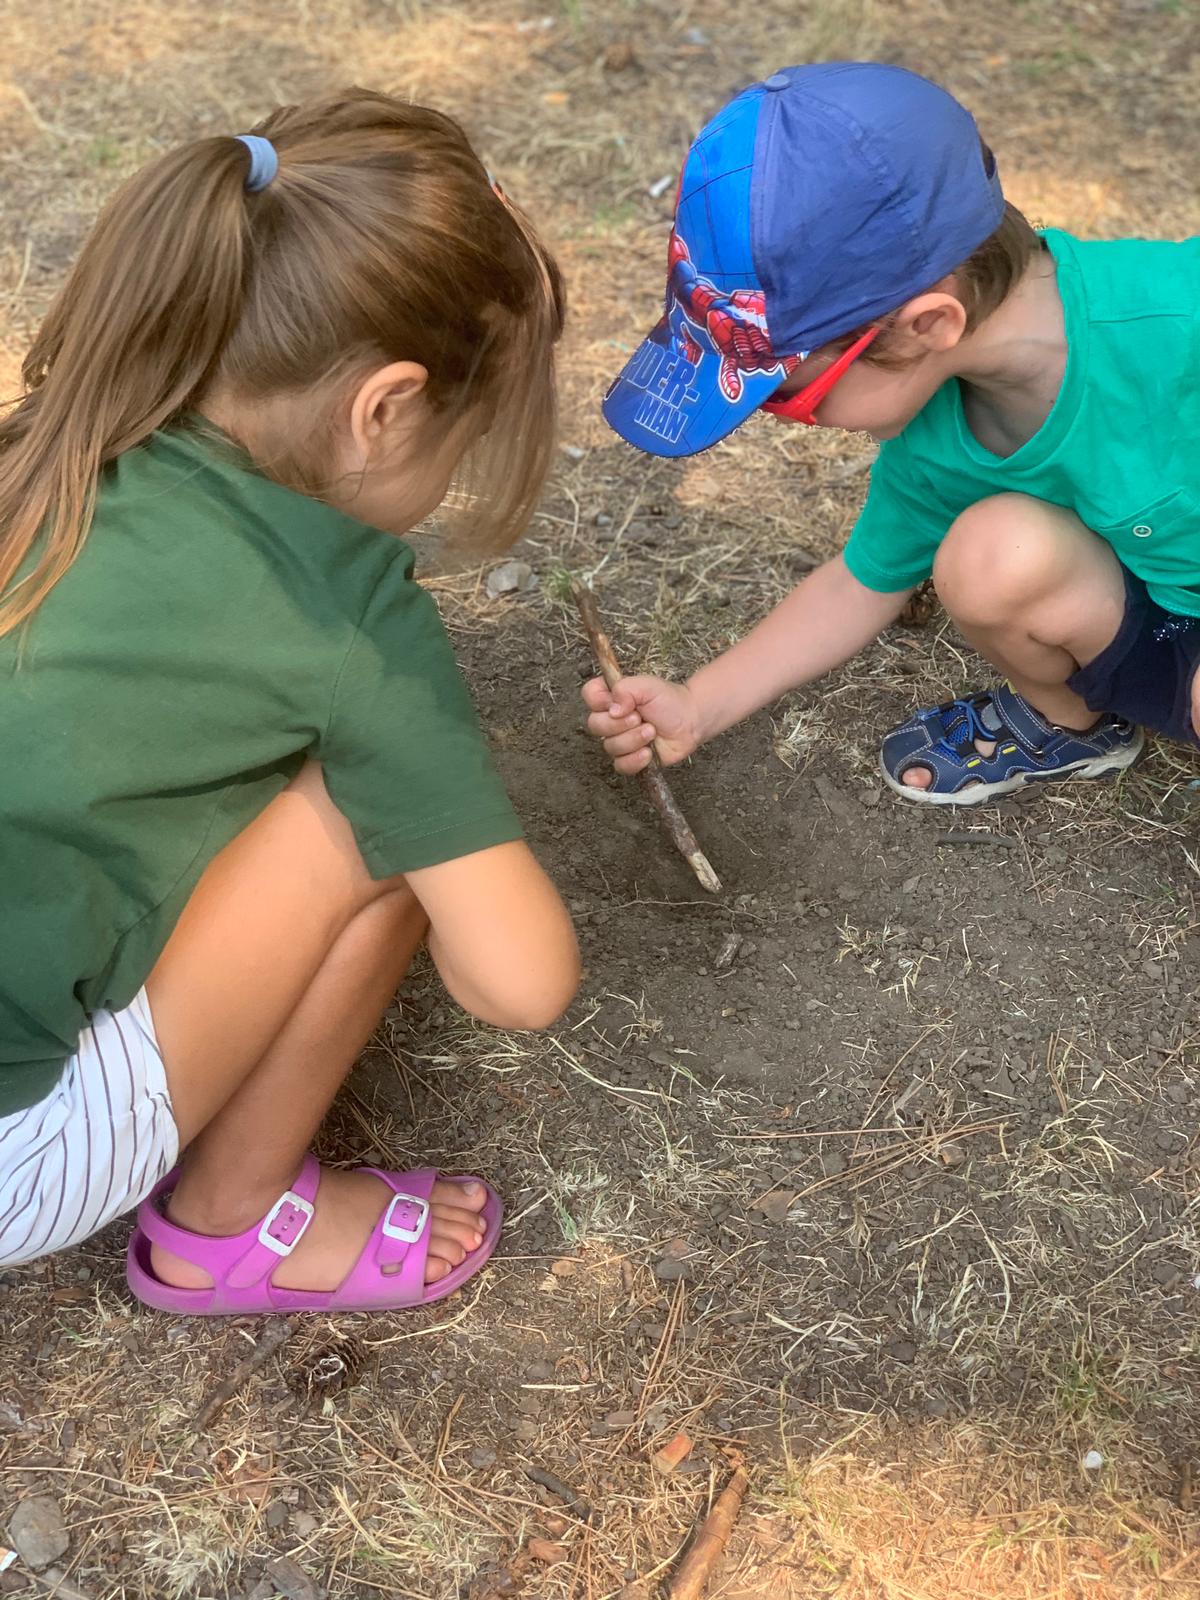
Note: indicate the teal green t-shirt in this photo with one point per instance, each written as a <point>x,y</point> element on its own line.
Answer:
<point>1120,448</point>
<point>215,631</point>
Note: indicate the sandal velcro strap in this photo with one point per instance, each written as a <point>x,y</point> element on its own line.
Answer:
<point>1022,747</point>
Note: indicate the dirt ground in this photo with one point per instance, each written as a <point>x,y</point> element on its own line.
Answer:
<point>878,1171</point>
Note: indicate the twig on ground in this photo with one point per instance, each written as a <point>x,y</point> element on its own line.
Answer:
<point>444,1436</point>
<point>563,1491</point>
<point>696,1568</point>
<point>894,1156</point>
<point>975,836</point>
<point>55,1582</point>
<point>653,780</point>
<point>276,1335</point>
<point>658,1361</point>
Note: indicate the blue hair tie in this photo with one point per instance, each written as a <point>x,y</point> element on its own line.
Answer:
<point>264,161</point>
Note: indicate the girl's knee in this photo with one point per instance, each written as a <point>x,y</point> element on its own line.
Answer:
<point>1001,553</point>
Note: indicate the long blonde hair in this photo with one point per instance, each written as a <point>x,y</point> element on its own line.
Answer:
<point>379,239</point>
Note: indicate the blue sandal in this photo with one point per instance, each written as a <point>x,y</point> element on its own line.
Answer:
<point>941,741</point>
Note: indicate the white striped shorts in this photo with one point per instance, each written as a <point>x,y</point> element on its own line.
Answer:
<point>94,1147</point>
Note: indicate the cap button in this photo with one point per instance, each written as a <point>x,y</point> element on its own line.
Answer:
<point>777,80</point>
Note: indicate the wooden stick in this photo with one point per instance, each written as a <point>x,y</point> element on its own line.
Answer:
<point>695,1569</point>
<point>277,1334</point>
<point>653,780</point>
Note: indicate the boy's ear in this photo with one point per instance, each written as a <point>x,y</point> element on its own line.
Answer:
<point>935,321</point>
<point>387,403</point>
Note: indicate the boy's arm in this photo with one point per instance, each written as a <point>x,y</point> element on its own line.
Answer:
<point>500,936</point>
<point>827,619</point>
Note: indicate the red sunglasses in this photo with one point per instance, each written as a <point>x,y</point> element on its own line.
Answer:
<point>802,406</point>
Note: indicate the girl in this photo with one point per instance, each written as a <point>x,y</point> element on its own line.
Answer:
<point>241,779</point>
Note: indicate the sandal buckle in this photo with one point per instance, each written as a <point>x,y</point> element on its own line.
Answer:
<point>284,1247</point>
<point>413,1232</point>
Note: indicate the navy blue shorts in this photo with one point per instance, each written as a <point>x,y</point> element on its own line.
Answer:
<point>1145,675</point>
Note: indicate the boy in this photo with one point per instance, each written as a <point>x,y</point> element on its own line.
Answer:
<point>843,256</point>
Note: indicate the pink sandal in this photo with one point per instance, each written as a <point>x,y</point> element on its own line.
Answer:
<point>241,1265</point>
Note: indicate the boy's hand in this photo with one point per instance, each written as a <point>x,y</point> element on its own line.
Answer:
<point>640,712</point>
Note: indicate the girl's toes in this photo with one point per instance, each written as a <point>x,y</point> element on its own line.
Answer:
<point>435,1268</point>
<point>469,1196</point>
<point>448,1247</point>
<point>465,1225</point>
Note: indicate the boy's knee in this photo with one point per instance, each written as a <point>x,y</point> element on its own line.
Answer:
<point>998,555</point>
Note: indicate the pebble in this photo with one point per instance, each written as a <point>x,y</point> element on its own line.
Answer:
<point>1093,1461</point>
<point>277,1514</point>
<point>672,1271</point>
<point>290,1581</point>
<point>539,1372</point>
<point>37,1532</point>
<point>509,578</point>
<point>1166,1273</point>
<point>305,1524</point>
<point>902,1350</point>
<point>482,1456</point>
<point>574,452</point>
<point>620,1419</point>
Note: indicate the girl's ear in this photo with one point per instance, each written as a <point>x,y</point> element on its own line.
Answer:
<point>934,321</point>
<point>387,405</point>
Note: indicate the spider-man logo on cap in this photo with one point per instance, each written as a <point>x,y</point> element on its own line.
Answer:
<point>810,205</point>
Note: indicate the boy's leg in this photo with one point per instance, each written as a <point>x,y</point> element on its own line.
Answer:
<point>1037,594</point>
<point>276,975</point>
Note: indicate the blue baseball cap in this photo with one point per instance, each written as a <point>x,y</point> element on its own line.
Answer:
<point>812,203</point>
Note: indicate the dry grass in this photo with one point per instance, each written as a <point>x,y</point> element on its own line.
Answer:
<point>921,1345</point>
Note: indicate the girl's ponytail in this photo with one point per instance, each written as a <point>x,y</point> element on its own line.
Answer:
<point>136,332</point>
<point>372,234</point>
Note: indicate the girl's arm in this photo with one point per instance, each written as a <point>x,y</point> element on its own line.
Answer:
<point>500,936</point>
<point>827,619</point>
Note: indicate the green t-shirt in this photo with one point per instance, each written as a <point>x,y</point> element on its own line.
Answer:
<point>1120,448</point>
<point>216,630</point>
